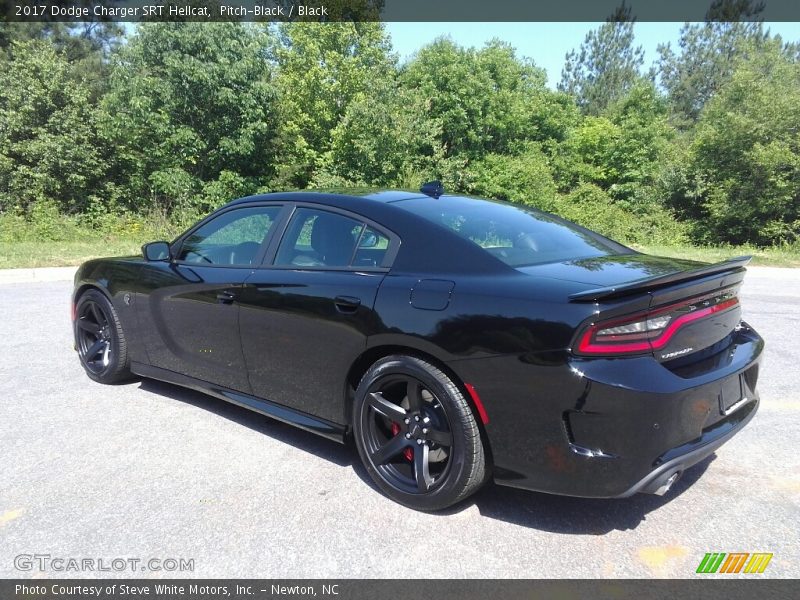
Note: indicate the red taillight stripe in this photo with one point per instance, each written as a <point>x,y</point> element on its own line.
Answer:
<point>586,345</point>
<point>662,340</point>
<point>478,404</point>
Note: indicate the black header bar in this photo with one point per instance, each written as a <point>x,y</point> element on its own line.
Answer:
<point>390,10</point>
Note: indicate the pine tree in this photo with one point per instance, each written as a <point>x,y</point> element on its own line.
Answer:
<point>606,66</point>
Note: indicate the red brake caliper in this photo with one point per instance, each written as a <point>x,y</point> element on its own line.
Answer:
<point>408,452</point>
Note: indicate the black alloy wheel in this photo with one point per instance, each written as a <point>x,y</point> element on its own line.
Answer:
<point>407,434</point>
<point>99,339</point>
<point>416,434</point>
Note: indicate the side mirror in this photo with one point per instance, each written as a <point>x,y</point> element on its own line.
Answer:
<point>368,240</point>
<point>155,251</point>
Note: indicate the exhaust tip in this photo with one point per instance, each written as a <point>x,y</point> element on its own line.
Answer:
<point>664,487</point>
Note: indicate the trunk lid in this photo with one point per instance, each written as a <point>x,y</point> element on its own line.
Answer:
<point>678,310</point>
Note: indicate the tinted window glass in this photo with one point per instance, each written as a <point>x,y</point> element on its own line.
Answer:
<point>317,238</point>
<point>372,248</point>
<point>233,238</point>
<point>514,234</point>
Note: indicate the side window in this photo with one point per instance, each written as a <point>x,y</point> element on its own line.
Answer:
<point>316,238</point>
<point>372,247</point>
<point>233,238</point>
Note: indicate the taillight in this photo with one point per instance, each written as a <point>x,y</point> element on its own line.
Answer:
<point>650,330</point>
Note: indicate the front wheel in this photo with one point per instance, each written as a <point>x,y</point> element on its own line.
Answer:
<point>99,339</point>
<point>416,434</point>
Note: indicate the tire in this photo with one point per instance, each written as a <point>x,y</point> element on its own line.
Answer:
<point>100,340</point>
<point>416,434</point>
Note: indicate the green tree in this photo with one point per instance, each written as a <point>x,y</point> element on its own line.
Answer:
<point>643,144</point>
<point>605,67</point>
<point>322,68</point>
<point>708,55</point>
<point>87,46</point>
<point>192,112</point>
<point>385,138</point>
<point>743,177</point>
<point>592,207</point>
<point>587,155</point>
<point>49,145</point>
<point>525,177</point>
<point>486,100</point>
<point>622,151</point>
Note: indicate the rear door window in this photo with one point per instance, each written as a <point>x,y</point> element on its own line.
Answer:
<point>318,238</point>
<point>372,248</point>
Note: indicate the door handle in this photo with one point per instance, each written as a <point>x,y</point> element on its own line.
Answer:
<point>226,297</point>
<point>347,304</point>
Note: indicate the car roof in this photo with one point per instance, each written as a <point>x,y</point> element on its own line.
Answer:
<point>425,246</point>
<point>335,197</point>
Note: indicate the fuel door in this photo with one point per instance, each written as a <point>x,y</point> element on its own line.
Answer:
<point>431,294</point>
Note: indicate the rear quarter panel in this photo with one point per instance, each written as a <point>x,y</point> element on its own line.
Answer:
<point>485,316</point>
<point>508,336</point>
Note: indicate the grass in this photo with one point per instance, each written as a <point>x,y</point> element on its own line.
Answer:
<point>63,254</point>
<point>55,240</point>
<point>18,254</point>
<point>778,256</point>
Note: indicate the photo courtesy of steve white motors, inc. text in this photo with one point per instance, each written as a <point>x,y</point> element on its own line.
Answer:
<point>165,589</point>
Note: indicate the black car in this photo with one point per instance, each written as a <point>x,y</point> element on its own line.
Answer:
<point>455,339</point>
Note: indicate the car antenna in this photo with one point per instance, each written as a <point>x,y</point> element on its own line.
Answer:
<point>434,189</point>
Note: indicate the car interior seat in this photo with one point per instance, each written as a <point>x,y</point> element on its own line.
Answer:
<point>332,241</point>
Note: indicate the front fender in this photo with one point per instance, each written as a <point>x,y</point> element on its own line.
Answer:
<point>118,280</point>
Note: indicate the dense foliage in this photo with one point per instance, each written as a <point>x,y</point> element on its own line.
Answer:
<point>191,112</point>
<point>181,117</point>
<point>606,65</point>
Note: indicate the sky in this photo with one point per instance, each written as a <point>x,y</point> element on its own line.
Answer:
<point>545,43</point>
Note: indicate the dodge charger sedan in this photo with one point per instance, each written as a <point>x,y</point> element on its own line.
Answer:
<point>454,339</point>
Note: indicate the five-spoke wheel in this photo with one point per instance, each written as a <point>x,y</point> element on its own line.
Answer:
<point>408,435</point>
<point>416,434</point>
<point>99,338</point>
<point>93,336</point>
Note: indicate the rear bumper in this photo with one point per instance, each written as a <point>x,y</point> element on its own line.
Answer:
<point>609,428</point>
<point>675,462</point>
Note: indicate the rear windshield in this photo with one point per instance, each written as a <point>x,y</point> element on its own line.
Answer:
<point>516,235</point>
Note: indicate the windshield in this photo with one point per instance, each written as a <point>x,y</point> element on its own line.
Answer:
<point>517,235</point>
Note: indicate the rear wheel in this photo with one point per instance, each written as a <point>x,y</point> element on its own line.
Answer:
<point>99,339</point>
<point>416,434</point>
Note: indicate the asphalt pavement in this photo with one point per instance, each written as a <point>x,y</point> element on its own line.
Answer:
<point>148,470</point>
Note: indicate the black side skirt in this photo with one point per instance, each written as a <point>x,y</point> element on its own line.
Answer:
<point>332,431</point>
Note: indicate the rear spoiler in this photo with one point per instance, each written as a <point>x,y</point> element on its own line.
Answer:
<point>733,265</point>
